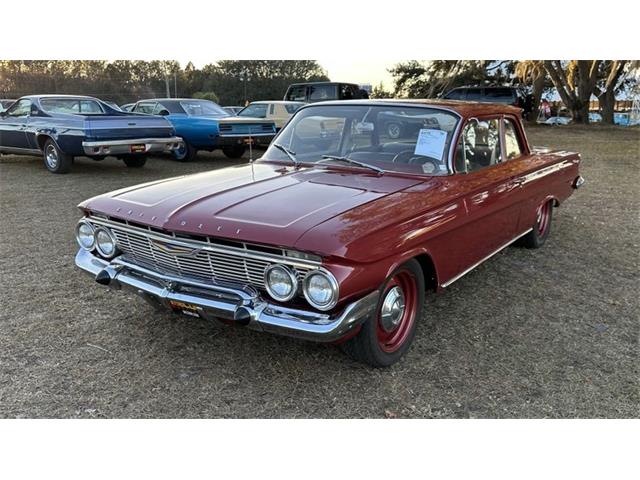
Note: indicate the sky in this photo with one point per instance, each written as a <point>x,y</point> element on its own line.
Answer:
<point>359,71</point>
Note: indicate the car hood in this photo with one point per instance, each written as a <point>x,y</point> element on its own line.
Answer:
<point>258,203</point>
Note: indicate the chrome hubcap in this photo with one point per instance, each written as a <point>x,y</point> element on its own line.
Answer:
<point>51,156</point>
<point>392,309</point>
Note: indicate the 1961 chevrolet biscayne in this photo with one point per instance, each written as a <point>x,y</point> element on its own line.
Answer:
<point>337,232</point>
<point>61,127</point>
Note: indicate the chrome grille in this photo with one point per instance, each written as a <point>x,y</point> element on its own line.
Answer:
<point>202,265</point>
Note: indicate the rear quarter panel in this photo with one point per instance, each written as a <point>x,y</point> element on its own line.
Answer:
<point>199,132</point>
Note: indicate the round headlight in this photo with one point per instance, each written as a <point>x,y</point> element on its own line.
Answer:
<point>105,242</point>
<point>281,282</point>
<point>85,235</point>
<point>321,290</point>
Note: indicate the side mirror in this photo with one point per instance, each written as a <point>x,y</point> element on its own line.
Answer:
<point>163,112</point>
<point>3,113</point>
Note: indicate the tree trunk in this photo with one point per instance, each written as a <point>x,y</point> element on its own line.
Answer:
<point>580,112</point>
<point>536,96</point>
<point>607,101</point>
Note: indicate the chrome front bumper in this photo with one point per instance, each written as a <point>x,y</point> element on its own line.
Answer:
<point>242,305</point>
<point>123,147</point>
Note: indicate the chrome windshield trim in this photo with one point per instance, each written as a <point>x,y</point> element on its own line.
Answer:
<point>208,246</point>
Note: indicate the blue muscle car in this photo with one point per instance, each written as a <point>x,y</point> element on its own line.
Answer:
<point>61,127</point>
<point>204,125</point>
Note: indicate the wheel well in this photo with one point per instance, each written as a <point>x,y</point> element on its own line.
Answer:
<point>429,271</point>
<point>41,140</point>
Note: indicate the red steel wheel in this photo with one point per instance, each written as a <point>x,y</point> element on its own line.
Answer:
<point>387,335</point>
<point>543,218</point>
<point>541,228</point>
<point>397,312</point>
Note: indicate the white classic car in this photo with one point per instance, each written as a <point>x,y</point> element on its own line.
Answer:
<point>278,111</point>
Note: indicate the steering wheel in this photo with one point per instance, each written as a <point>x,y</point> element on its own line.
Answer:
<point>429,165</point>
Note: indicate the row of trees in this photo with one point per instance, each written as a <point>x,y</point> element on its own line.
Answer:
<point>121,81</point>
<point>574,80</point>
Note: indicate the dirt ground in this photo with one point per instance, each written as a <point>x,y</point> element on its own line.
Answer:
<point>530,333</point>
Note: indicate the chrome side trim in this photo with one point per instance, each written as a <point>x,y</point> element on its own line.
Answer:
<point>460,275</point>
<point>207,246</point>
<point>241,135</point>
<point>18,150</point>
<point>131,141</point>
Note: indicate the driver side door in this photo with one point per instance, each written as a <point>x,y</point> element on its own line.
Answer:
<point>14,124</point>
<point>490,188</point>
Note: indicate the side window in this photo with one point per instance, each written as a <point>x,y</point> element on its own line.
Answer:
<point>20,109</point>
<point>323,92</point>
<point>144,108</point>
<point>160,109</point>
<point>347,92</point>
<point>297,93</point>
<point>456,94</point>
<point>511,140</point>
<point>89,106</point>
<point>474,95</point>
<point>479,145</point>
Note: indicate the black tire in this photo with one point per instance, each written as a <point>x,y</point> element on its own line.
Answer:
<point>134,162</point>
<point>394,130</point>
<point>538,236</point>
<point>367,346</point>
<point>55,160</point>
<point>187,153</point>
<point>234,152</point>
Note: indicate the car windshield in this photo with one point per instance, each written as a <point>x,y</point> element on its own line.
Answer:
<point>71,105</point>
<point>203,107</point>
<point>392,138</point>
<point>257,110</point>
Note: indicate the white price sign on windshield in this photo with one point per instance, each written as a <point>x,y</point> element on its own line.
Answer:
<point>431,143</point>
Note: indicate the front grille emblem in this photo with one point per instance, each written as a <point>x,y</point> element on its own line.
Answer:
<point>177,250</point>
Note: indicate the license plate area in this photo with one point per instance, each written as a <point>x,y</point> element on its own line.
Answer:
<point>184,308</point>
<point>138,148</point>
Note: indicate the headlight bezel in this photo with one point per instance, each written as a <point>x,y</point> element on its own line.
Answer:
<point>292,277</point>
<point>113,239</point>
<point>335,289</point>
<point>82,223</point>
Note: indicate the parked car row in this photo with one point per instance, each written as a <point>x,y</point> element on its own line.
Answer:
<point>61,127</point>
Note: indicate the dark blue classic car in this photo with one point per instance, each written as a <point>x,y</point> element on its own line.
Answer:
<point>61,127</point>
<point>205,125</point>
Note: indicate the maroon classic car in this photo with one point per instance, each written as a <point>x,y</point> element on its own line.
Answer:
<point>337,232</point>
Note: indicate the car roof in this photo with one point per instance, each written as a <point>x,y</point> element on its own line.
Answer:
<point>171,99</point>
<point>284,102</point>
<point>462,108</point>
<point>323,83</point>
<point>52,95</point>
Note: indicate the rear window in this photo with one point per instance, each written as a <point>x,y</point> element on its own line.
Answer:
<point>71,105</point>
<point>256,110</point>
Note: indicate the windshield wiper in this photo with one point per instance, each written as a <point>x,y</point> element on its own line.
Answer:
<point>352,161</point>
<point>288,152</point>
